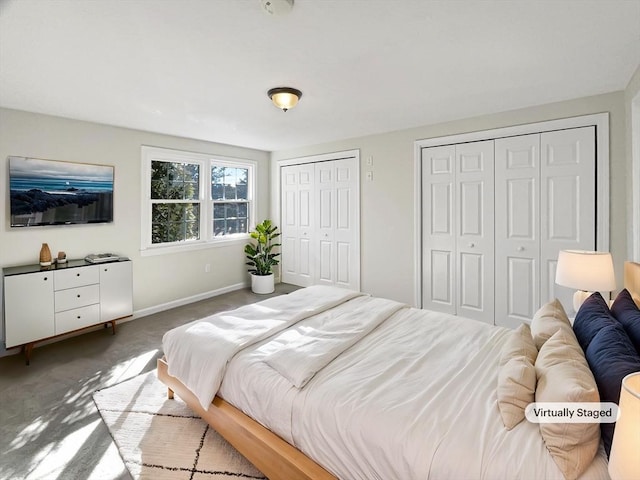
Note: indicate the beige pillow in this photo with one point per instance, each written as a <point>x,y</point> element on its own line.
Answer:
<point>519,344</point>
<point>564,376</point>
<point>548,320</point>
<point>516,376</point>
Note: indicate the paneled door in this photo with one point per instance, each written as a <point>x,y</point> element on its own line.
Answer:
<point>475,230</point>
<point>337,223</point>
<point>320,223</point>
<point>298,224</point>
<point>567,203</point>
<point>517,228</point>
<point>545,202</point>
<point>438,229</point>
<point>457,206</point>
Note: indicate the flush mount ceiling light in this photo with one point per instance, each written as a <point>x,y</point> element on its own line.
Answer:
<point>284,97</point>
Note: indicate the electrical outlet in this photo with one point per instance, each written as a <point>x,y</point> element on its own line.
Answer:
<point>207,268</point>
<point>370,176</point>
<point>370,161</point>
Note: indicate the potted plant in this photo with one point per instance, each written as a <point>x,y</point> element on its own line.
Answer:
<point>260,257</point>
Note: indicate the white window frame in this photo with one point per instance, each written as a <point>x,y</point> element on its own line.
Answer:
<point>206,162</point>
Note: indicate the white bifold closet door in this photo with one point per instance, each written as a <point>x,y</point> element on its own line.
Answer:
<point>495,215</point>
<point>298,223</point>
<point>320,228</point>
<point>545,189</point>
<point>458,229</point>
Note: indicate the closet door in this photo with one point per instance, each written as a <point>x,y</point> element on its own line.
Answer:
<point>545,202</point>
<point>298,206</point>
<point>474,186</point>
<point>438,229</point>
<point>568,203</point>
<point>517,229</point>
<point>336,233</point>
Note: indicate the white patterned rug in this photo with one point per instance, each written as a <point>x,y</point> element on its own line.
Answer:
<point>162,439</point>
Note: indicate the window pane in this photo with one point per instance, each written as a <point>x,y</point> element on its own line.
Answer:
<point>175,222</point>
<point>243,209</point>
<point>230,218</point>
<point>229,183</point>
<point>217,183</point>
<point>174,181</point>
<point>217,191</point>
<point>242,184</point>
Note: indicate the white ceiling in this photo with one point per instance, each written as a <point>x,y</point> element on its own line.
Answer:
<point>201,68</point>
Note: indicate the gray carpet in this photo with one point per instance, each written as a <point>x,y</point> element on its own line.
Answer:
<point>49,425</point>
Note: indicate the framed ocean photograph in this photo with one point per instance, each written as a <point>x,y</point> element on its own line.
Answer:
<point>51,192</point>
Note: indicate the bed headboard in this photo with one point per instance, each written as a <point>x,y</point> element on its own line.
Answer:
<point>632,280</point>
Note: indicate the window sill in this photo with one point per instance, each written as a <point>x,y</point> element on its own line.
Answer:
<point>193,246</point>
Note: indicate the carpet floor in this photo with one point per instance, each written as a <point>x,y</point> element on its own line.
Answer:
<point>160,438</point>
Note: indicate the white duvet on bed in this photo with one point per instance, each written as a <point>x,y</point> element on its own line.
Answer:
<point>414,399</point>
<point>198,352</point>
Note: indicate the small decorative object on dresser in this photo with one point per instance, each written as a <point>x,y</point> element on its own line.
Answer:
<point>260,258</point>
<point>62,257</point>
<point>45,255</point>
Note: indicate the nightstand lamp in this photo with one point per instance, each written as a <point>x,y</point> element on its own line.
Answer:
<point>624,459</point>
<point>585,271</point>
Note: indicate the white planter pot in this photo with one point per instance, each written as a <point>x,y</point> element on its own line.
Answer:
<point>262,284</point>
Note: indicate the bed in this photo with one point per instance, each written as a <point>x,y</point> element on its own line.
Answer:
<point>325,383</point>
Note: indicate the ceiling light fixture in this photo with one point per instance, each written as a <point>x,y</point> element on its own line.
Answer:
<point>284,97</point>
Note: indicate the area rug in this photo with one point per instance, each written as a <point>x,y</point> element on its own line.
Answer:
<point>160,438</point>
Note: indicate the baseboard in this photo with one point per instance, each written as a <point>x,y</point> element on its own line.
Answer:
<point>136,314</point>
<point>187,300</point>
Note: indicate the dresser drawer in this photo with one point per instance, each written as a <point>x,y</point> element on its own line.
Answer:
<point>77,318</point>
<point>76,277</point>
<point>76,297</point>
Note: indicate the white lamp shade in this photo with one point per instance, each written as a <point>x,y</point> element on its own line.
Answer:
<point>624,458</point>
<point>585,270</point>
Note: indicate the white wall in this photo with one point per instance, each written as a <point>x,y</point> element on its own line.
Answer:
<point>387,203</point>
<point>156,279</point>
<point>632,106</point>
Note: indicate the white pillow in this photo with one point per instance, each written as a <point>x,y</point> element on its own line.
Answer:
<point>550,318</point>
<point>516,376</point>
<point>564,376</point>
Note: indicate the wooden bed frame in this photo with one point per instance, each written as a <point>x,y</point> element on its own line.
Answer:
<point>274,457</point>
<point>270,454</point>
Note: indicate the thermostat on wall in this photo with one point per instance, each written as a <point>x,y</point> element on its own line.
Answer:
<point>277,7</point>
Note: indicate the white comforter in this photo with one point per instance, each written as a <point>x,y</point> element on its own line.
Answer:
<point>414,398</point>
<point>198,352</point>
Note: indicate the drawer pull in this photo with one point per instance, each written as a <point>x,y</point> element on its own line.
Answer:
<point>45,278</point>
<point>78,317</point>
<point>77,274</point>
<point>78,295</point>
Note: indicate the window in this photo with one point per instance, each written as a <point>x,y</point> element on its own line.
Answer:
<point>230,195</point>
<point>175,202</point>
<point>191,200</point>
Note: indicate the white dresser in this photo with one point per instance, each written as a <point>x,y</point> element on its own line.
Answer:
<point>44,302</point>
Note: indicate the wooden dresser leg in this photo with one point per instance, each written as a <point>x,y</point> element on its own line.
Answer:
<point>28,348</point>
<point>113,326</point>
<point>169,394</point>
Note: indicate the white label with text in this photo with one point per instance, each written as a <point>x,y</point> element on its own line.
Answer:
<point>571,412</point>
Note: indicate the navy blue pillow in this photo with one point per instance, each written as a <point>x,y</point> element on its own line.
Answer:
<point>627,313</point>
<point>592,316</point>
<point>611,357</point>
